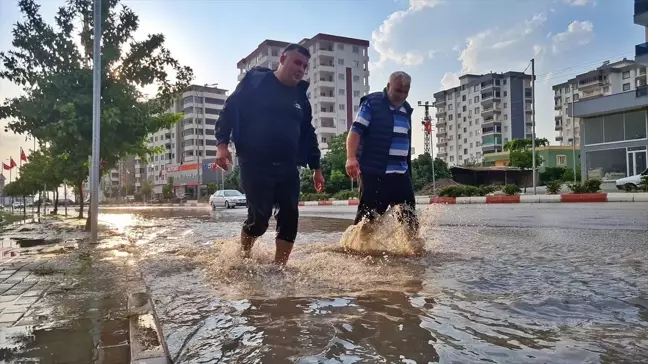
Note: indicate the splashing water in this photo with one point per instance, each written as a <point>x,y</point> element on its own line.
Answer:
<point>387,236</point>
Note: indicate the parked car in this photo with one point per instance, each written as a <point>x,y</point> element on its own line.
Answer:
<point>228,199</point>
<point>631,182</point>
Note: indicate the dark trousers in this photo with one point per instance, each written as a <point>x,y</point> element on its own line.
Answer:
<point>266,186</point>
<point>377,192</point>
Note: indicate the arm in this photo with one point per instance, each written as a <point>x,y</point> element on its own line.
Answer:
<point>228,117</point>
<point>313,153</point>
<point>358,130</point>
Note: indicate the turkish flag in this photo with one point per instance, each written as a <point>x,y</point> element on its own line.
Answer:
<point>5,167</point>
<point>12,163</point>
<point>23,156</point>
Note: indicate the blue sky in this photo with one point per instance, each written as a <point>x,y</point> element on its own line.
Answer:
<point>434,40</point>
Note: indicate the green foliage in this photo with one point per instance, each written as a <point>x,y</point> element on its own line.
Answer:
<point>644,183</point>
<point>568,176</point>
<point>577,187</point>
<point>56,77</point>
<point>422,170</point>
<point>146,189</point>
<point>511,189</point>
<point>168,190</point>
<point>553,187</point>
<point>212,188</point>
<point>314,197</point>
<point>592,185</point>
<point>346,195</point>
<point>466,191</point>
<point>233,180</point>
<point>520,144</point>
<point>130,190</point>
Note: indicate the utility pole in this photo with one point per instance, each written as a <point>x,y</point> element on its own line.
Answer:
<point>96,122</point>
<point>533,126</point>
<point>427,131</point>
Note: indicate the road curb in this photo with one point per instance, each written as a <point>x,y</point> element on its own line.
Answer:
<point>504,199</point>
<point>147,343</point>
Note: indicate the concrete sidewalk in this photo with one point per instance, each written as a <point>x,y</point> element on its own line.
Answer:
<point>63,303</point>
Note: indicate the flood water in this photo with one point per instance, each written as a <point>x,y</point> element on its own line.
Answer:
<point>480,294</point>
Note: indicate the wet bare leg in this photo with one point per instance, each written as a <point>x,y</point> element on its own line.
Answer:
<point>247,242</point>
<point>284,248</point>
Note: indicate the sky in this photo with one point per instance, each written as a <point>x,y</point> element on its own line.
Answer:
<point>435,41</point>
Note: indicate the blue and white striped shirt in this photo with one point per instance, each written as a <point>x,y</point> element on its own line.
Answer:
<point>400,144</point>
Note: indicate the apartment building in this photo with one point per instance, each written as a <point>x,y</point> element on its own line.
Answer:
<point>122,176</point>
<point>614,125</point>
<point>190,141</point>
<point>338,74</point>
<point>481,115</point>
<point>608,79</point>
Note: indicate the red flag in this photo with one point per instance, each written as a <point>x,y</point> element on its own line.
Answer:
<point>6,167</point>
<point>12,163</point>
<point>23,156</point>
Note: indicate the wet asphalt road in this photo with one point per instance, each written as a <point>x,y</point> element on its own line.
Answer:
<point>536,283</point>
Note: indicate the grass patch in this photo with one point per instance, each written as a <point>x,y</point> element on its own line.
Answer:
<point>8,218</point>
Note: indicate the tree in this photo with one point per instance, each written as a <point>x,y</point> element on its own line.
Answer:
<point>168,191</point>
<point>130,189</point>
<point>56,77</point>
<point>233,180</point>
<point>521,154</point>
<point>146,190</point>
<point>422,170</point>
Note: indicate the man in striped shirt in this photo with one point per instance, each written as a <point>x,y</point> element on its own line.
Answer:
<point>378,153</point>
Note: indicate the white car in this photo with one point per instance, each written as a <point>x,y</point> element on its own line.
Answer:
<point>228,199</point>
<point>631,182</point>
<point>17,205</point>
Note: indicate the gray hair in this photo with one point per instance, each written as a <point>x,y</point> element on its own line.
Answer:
<point>400,75</point>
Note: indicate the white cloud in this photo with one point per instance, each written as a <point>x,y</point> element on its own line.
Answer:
<point>432,54</point>
<point>577,34</point>
<point>450,80</point>
<point>484,50</point>
<point>383,37</point>
<point>578,2</point>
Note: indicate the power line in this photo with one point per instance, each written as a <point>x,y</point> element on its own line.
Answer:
<point>581,65</point>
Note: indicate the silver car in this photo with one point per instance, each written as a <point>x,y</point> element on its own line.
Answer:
<point>228,199</point>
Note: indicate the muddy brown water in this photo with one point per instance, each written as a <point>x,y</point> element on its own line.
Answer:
<point>480,294</point>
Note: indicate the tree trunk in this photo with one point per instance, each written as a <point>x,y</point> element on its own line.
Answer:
<point>40,201</point>
<point>80,189</point>
<point>55,202</point>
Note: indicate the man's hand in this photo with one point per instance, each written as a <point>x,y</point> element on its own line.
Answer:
<point>223,157</point>
<point>318,180</point>
<point>352,168</point>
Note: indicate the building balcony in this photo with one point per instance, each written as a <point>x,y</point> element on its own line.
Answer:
<point>329,52</point>
<point>557,96</point>
<point>441,112</point>
<point>327,114</point>
<point>641,53</point>
<point>326,67</point>
<point>641,12</point>
<point>326,98</point>
<point>490,98</point>
<point>559,138</point>
<point>441,123</point>
<point>625,101</point>
<point>442,155</point>
<point>558,106</point>
<point>326,83</point>
<point>559,127</point>
<point>442,144</point>
<point>489,86</point>
<point>491,111</point>
<point>438,103</point>
<point>327,130</point>
<point>528,110</point>
<point>441,132</point>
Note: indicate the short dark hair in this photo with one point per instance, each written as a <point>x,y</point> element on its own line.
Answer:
<point>298,48</point>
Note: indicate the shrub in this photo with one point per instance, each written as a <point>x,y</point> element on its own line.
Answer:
<point>644,183</point>
<point>592,185</point>
<point>346,195</point>
<point>467,191</point>
<point>553,174</point>
<point>577,187</point>
<point>487,189</point>
<point>553,187</point>
<point>314,196</point>
<point>511,189</point>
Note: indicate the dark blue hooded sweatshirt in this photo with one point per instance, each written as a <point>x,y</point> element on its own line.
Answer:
<point>269,122</point>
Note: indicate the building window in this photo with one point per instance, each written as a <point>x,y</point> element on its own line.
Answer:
<point>476,99</point>
<point>356,49</point>
<point>341,106</point>
<point>465,151</point>
<point>505,105</point>
<point>463,98</point>
<point>561,160</point>
<point>626,74</point>
<point>341,76</point>
<point>356,78</point>
<point>505,116</point>
<point>341,91</point>
<point>464,109</point>
<point>356,93</point>
<point>341,61</point>
<point>505,93</point>
<point>626,86</point>
<point>356,64</point>
<point>475,88</point>
<point>340,46</point>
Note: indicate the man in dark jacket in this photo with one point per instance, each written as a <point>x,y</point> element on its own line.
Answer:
<point>378,153</point>
<point>269,117</point>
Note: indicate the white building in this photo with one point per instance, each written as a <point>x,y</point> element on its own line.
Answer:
<point>338,74</point>
<point>608,79</point>
<point>192,140</point>
<point>481,114</point>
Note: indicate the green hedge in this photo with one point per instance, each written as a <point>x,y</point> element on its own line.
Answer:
<point>467,191</point>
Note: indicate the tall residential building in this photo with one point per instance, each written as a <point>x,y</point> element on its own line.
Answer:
<point>614,125</point>
<point>481,114</point>
<point>190,141</point>
<point>608,79</point>
<point>338,74</point>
